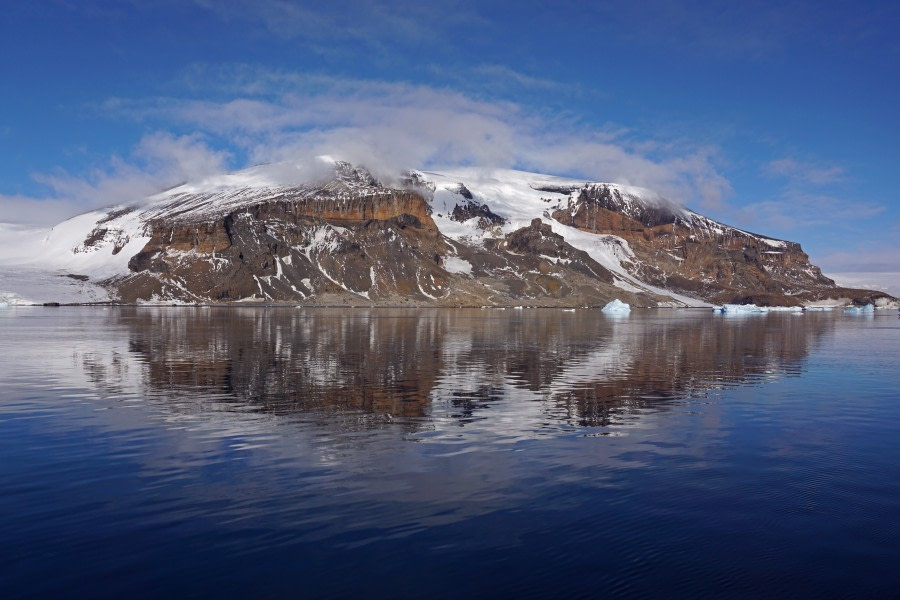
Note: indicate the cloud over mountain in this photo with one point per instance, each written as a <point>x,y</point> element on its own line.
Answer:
<point>386,126</point>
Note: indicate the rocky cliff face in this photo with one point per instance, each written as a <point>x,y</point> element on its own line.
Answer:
<point>680,250</point>
<point>387,251</point>
<point>472,238</point>
<point>371,246</point>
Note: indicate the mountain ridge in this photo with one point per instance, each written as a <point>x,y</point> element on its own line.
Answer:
<point>336,234</point>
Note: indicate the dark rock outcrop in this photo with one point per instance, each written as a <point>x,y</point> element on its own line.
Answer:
<point>473,210</point>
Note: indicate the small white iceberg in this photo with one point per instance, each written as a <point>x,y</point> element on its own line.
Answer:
<point>617,307</point>
<point>860,310</point>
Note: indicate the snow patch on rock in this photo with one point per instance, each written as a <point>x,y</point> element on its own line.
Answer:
<point>455,264</point>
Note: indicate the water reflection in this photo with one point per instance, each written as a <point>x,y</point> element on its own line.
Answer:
<point>366,368</point>
<point>255,452</point>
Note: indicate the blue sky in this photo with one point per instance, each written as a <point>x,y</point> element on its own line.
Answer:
<point>778,117</point>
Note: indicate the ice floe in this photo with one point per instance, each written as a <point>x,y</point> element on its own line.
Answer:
<point>748,309</point>
<point>740,309</point>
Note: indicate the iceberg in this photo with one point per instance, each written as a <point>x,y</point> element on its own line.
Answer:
<point>860,310</point>
<point>617,307</point>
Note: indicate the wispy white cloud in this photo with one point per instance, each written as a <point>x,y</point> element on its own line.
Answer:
<point>886,281</point>
<point>326,28</point>
<point>796,210</point>
<point>21,209</point>
<point>861,256</point>
<point>819,203</point>
<point>393,126</point>
<point>388,127</point>
<point>159,160</point>
<point>756,30</point>
<point>743,30</point>
<point>804,173</point>
<point>501,75</point>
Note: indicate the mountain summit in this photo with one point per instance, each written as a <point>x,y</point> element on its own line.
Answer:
<point>336,234</point>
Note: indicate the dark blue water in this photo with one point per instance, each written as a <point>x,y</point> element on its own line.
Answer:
<point>159,452</point>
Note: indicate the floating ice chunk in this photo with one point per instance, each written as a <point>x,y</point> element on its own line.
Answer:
<point>860,310</point>
<point>11,299</point>
<point>617,307</point>
<point>740,309</point>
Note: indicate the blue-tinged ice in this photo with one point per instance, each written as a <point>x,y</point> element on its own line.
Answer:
<point>860,310</point>
<point>617,307</point>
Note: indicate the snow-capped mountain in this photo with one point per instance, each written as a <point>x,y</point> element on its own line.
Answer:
<point>337,235</point>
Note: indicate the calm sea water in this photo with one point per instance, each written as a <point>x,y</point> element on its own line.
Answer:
<point>251,452</point>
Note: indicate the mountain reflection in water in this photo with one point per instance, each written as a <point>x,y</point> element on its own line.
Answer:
<point>364,368</point>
